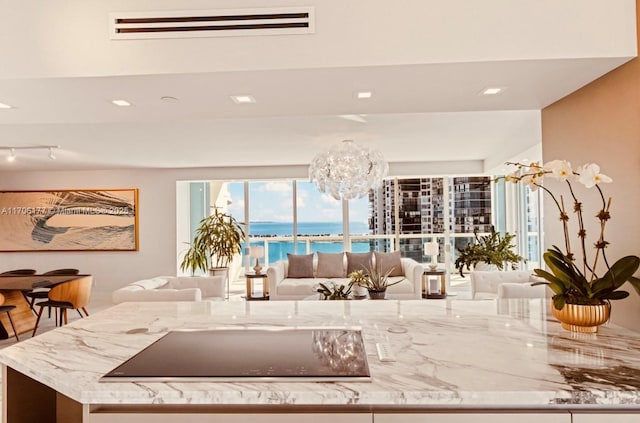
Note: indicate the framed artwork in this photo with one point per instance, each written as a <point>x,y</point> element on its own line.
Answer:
<point>69,220</point>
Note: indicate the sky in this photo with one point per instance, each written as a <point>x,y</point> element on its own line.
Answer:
<point>272,201</point>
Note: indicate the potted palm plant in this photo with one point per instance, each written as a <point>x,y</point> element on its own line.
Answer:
<point>583,284</point>
<point>492,249</point>
<point>217,240</point>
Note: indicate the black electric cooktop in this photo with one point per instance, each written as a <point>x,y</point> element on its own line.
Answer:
<point>244,355</point>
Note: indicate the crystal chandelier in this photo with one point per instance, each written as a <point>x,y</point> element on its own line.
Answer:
<point>347,170</point>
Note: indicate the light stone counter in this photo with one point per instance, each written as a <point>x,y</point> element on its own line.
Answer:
<point>475,354</point>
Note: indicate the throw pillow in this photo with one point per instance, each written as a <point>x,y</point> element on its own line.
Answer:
<point>358,261</point>
<point>300,266</point>
<point>387,261</point>
<point>330,265</point>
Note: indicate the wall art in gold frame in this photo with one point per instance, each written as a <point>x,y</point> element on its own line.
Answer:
<point>69,220</point>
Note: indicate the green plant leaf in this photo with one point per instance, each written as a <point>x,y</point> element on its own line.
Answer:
<point>567,273</point>
<point>559,301</point>
<point>619,273</point>
<point>635,282</point>
<point>556,285</point>
<point>615,295</point>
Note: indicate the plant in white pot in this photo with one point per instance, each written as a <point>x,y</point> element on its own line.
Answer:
<point>217,240</point>
<point>493,249</point>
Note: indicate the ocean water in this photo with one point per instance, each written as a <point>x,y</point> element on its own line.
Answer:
<point>305,228</point>
<point>277,250</point>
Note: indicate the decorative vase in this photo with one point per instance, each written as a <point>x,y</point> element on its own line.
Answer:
<point>582,318</point>
<point>359,291</point>
<point>377,295</point>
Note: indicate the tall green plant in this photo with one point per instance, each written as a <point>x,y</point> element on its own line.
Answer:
<point>217,240</point>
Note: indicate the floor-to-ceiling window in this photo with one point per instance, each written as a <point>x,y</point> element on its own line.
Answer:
<point>288,216</point>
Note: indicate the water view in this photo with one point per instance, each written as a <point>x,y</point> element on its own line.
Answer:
<point>277,250</point>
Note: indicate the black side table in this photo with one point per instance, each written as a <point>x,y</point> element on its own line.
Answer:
<point>430,288</point>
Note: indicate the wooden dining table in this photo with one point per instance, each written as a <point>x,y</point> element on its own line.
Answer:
<point>14,289</point>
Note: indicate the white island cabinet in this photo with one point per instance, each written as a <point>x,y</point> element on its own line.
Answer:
<point>477,417</point>
<point>456,362</point>
<point>231,418</point>
<point>606,418</point>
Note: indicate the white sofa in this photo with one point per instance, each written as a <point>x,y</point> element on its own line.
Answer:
<point>281,287</point>
<point>172,288</point>
<point>485,284</point>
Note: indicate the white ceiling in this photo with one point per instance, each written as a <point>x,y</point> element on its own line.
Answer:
<point>418,113</point>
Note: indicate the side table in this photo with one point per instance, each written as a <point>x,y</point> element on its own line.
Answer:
<point>433,288</point>
<point>250,278</point>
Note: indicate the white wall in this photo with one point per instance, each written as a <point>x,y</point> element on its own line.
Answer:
<point>157,226</point>
<point>600,123</point>
<point>38,38</point>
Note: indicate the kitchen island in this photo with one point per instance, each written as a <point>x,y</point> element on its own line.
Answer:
<point>456,361</point>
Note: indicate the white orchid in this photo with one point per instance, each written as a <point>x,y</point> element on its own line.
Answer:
<point>590,176</point>
<point>575,280</point>
<point>532,180</point>
<point>560,169</point>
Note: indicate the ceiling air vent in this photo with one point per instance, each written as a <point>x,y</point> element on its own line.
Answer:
<point>212,23</point>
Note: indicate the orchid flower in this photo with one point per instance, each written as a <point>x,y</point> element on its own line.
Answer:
<point>590,176</point>
<point>532,180</point>
<point>560,169</point>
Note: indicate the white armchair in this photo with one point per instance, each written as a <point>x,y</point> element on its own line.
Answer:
<point>484,285</point>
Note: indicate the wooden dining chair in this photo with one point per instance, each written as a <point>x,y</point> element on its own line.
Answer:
<point>19,272</point>
<point>41,289</point>
<point>7,308</point>
<point>72,294</point>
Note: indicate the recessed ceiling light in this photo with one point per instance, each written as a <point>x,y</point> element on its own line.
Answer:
<point>121,103</point>
<point>363,94</point>
<point>492,90</point>
<point>168,99</point>
<point>5,106</point>
<point>239,99</point>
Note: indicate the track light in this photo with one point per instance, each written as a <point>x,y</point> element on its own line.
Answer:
<point>12,150</point>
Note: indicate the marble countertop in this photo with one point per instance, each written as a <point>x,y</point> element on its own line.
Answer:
<point>454,353</point>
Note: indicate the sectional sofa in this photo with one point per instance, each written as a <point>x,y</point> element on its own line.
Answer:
<point>172,288</point>
<point>298,277</point>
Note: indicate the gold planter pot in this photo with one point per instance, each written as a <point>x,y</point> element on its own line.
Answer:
<point>582,318</point>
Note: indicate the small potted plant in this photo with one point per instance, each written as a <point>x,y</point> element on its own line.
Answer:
<point>375,281</point>
<point>493,249</point>
<point>217,240</point>
<point>331,291</point>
